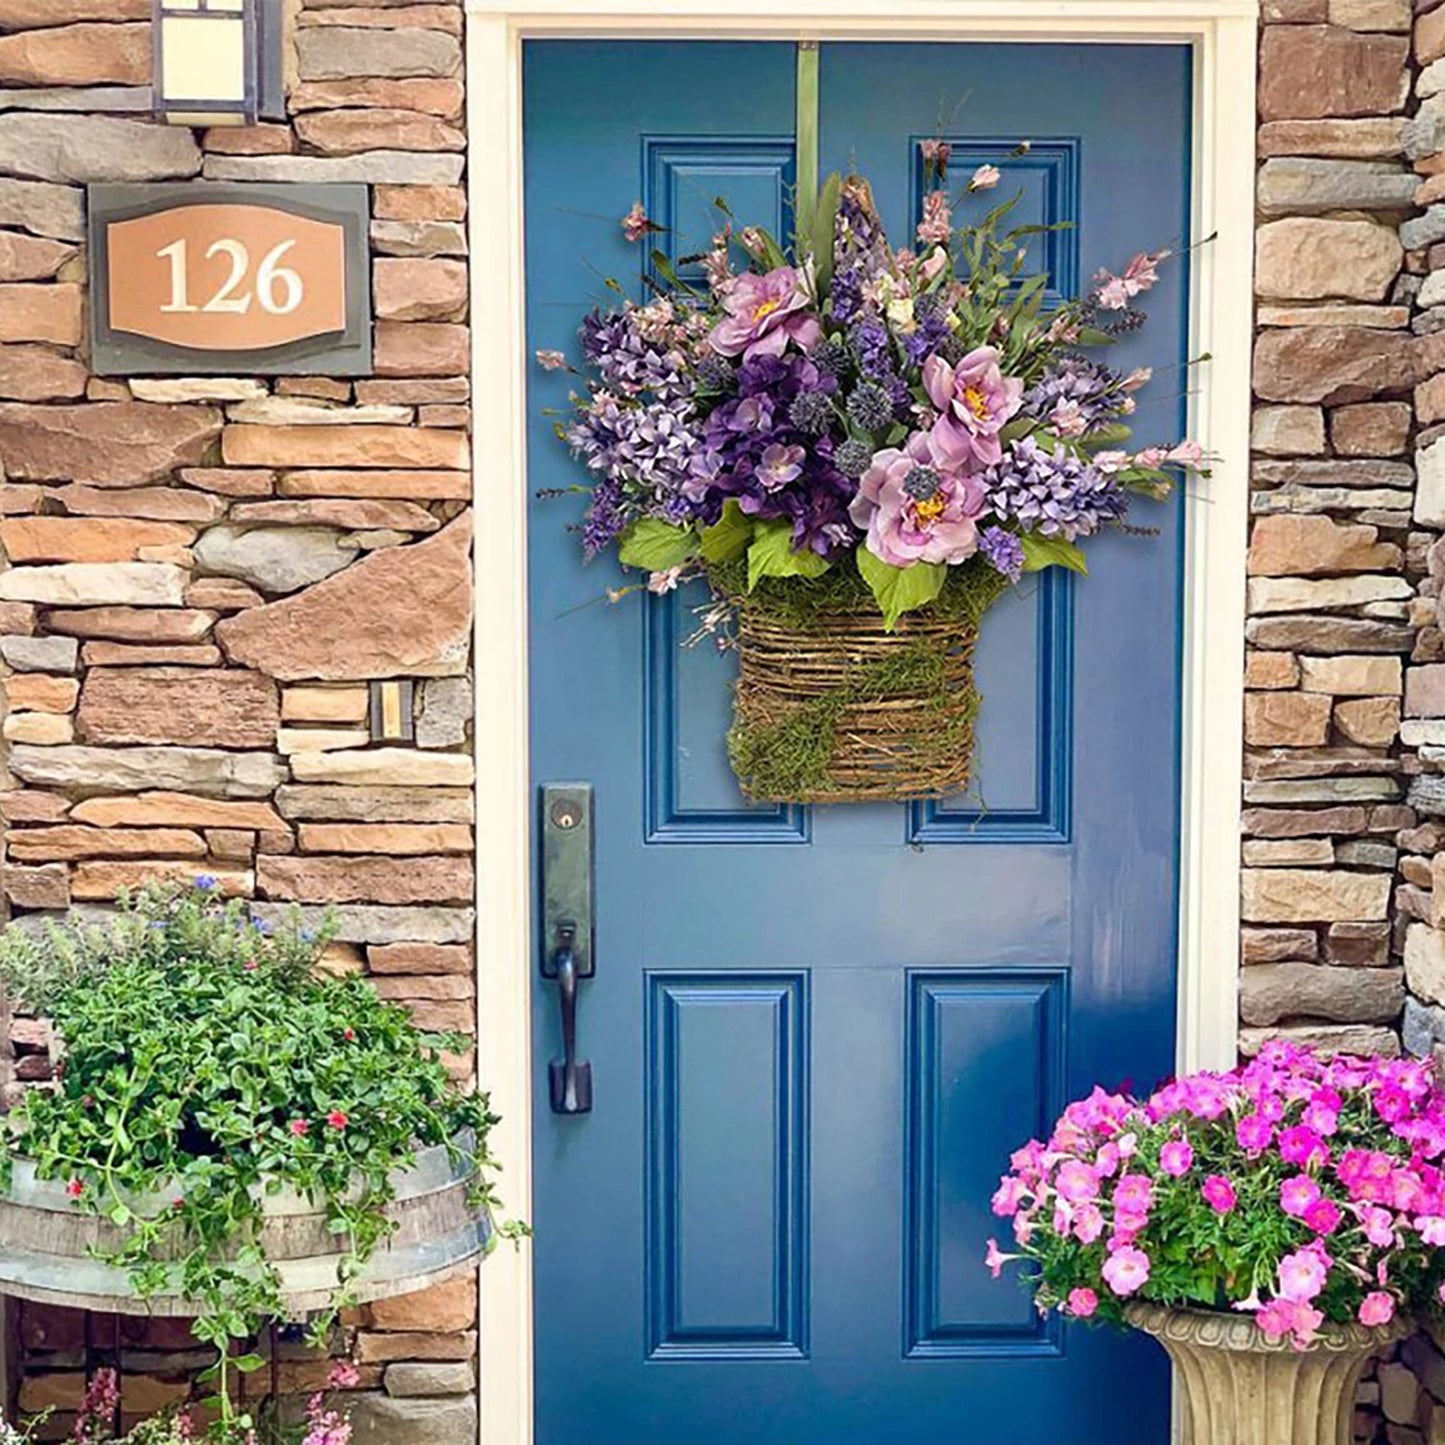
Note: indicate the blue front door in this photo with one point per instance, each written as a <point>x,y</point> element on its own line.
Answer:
<point>815,1035</point>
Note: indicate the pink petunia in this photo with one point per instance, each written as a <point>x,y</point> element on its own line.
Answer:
<point>1254,1133</point>
<point>1081,1303</point>
<point>1176,1158</point>
<point>1126,1271</point>
<point>1134,1194</point>
<point>1219,1194</point>
<point>1302,1274</point>
<point>1377,1308</point>
<point>1303,1147</point>
<point>1008,1196</point>
<point>994,1259</point>
<point>1088,1223</point>
<point>1322,1217</point>
<point>1297,1194</point>
<point>1076,1182</point>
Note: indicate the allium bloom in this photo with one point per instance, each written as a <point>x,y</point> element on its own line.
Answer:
<point>975,400</point>
<point>1081,1303</point>
<point>1126,1270</point>
<point>1218,1194</point>
<point>765,313</point>
<point>916,508</point>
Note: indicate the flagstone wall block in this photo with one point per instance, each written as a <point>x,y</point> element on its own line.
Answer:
<point>199,576</point>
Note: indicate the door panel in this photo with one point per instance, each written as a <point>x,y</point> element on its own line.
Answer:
<point>817,1033</point>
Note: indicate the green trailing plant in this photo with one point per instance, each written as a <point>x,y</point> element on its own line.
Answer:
<point>206,1064</point>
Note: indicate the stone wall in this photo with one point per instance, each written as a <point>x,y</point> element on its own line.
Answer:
<point>1344,805</point>
<point>203,576</point>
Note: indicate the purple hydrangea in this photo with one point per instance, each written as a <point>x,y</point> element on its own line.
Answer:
<point>1053,493</point>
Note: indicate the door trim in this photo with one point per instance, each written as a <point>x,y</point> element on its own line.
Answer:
<point>1222,34</point>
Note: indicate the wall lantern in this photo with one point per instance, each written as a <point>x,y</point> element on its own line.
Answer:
<point>219,62</point>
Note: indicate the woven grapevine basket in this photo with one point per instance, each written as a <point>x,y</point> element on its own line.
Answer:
<point>845,711</point>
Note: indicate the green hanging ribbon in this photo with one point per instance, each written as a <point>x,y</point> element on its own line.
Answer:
<point>805,200</point>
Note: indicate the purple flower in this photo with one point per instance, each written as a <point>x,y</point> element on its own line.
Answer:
<point>1004,551</point>
<point>779,466</point>
<point>1053,493</point>
<point>764,313</point>
<point>1077,387</point>
<point>975,400</point>
<point>916,507</point>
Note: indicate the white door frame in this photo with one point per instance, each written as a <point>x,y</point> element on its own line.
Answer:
<point>1223,36</point>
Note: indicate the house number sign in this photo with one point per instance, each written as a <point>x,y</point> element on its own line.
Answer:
<point>207,278</point>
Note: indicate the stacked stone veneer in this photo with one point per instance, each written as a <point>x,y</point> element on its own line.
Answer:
<point>204,575</point>
<point>1344,804</point>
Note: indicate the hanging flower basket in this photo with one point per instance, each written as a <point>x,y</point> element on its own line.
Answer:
<point>860,449</point>
<point>834,706</point>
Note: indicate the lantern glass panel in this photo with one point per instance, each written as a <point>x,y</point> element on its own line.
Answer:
<point>203,59</point>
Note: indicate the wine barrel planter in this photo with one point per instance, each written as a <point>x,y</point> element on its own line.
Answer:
<point>46,1243</point>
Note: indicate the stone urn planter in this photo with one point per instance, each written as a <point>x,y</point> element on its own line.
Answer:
<point>440,1233</point>
<point>1239,1387</point>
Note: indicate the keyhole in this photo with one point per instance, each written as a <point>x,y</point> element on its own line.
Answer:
<point>566,815</point>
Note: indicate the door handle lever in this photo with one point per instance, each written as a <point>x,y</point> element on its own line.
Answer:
<point>571,1077</point>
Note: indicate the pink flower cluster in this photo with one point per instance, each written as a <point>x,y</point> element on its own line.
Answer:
<point>1301,1189</point>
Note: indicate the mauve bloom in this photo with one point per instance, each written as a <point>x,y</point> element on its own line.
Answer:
<point>1302,1146</point>
<point>661,582</point>
<point>1134,1194</point>
<point>635,224</point>
<point>1176,1158</point>
<point>551,360</point>
<point>937,223</point>
<point>1377,1308</point>
<point>915,507</point>
<point>1082,1302</point>
<point>985,178</point>
<point>764,313</point>
<point>975,400</point>
<point>1432,1229</point>
<point>994,1259</point>
<point>1218,1194</point>
<point>779,465</point>
<point>1281,1317</point>
<point>1126,1270</point>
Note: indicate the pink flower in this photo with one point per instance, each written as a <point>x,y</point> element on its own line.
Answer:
<point>917,506</point>
<point>975,401</point>
<point>1081,1303</point>
<point>1068,419</point>
<point>1088,1223</point>
<point>1379,1226</point>
<point>1176,1158</point>
<point>985,178</point>
<point>1281,1317</point>
<point>933,263</point>
<point>1076,1182</point>
<point>75,1188</point>
<point>1218,1194</point>
<point>660,583</point>
<point>937,224</point>
<point>764,313</point>
<point>1302,1274</point>
<point>1142,273</point>
<point>994,1259</point>
<point>1297,1194</point>
<point>336,1119</point>
<point>1303,1147</point>
<point>936,154</point>
<point>1253,1133</point>
<point>344,1376</point>
<point>551,360</point>
<point>1134,1194</point>
<point>1431,1228</point>
<point>1377,1308</point>
<point>1008,1196</point>
<point>1322,1217</point>
<point>1112,293</point>
<point>299,1127</point>
<point>635,224</point>
<point>1126,1270</point>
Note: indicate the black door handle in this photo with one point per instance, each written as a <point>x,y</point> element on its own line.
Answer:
<point>571,1077</point>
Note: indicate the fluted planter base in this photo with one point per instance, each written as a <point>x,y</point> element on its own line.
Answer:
<point>1241,1388</point>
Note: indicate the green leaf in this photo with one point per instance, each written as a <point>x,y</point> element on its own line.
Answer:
<point>727,539</point>
<point>120,1215</point>
<point>825,220</point>
<point>900,589</point>
<point>1092,336</point>
<point>1041,552</point>
<point>772,555</point>
<point>655,545</point>
<point>247,1364</point>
